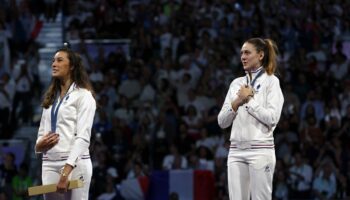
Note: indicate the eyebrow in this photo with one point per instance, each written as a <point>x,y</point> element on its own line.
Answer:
<point>59,57</point>
<point>245,50</point>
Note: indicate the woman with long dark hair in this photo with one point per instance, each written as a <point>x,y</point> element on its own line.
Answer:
<point>65,127</point>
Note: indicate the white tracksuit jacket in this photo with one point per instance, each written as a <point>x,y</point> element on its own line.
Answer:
<point>74,122</point>
<point>255,120</point>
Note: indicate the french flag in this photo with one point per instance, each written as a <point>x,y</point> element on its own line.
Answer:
<point>135,188</point>
<point>188,184</point>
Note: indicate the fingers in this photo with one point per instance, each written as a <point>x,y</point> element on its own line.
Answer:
<point>52,141</point>
<point>62,185</point>
<point>61,189</point>
<point>51,135</point>
<point>49,140</point>
<point>244,91</point>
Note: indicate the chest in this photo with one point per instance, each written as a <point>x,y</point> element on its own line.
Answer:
<point>65,108</point>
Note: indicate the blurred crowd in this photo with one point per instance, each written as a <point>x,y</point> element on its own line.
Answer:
<point>158,109</point>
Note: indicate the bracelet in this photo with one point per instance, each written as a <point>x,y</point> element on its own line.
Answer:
<point>64,174</point>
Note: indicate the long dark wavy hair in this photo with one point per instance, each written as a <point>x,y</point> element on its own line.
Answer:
<point>78,75</point>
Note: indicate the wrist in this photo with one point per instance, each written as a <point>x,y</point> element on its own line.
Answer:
<point>236,104</point>
<point>64,174</point>
<point>39,149</point>
<point>249,97</point>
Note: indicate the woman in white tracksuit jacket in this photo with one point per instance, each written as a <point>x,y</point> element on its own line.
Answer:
<point>65,127</point>
<point>253,106</point>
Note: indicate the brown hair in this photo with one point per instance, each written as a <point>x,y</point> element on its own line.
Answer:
<point>270,50</point>
<point>79,76</point>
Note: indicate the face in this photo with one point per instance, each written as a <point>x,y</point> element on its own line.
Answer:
<point>250,58</point>
<point>61,66</point>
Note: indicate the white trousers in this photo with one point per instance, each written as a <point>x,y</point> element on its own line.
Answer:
<point>250,173</point>
<point>82,171</point>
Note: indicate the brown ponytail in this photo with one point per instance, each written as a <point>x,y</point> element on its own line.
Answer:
<point>270,50</point>
<point>271,64</point>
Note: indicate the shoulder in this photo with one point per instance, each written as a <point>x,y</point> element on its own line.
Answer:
<point>84,94</point>
<point>272,78</point>
<point>83,91</point>
<point>238,81</point>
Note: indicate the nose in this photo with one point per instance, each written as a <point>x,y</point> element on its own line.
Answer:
<point>53,63</point>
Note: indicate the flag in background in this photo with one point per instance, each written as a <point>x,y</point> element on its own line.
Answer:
<point>135,188</point>
<point>188,184</point>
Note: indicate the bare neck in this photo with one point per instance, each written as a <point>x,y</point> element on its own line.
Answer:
<point>65,84</point>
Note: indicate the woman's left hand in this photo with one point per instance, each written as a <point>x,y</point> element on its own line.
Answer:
<point>245,92</point>
<point>62,185</point>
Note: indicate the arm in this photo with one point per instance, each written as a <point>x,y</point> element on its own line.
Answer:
<point>270,114</point>
<point>62,185</point>
<point>231,104</point>
<point>45,141</point>
<point>85,116</point>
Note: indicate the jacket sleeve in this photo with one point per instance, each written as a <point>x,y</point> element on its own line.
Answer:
<point>86,107</point>
<point>270,114</point>
<point>41,131</point>
<point>227,114</point>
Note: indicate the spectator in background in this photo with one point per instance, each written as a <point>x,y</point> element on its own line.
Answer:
<point>205,158</point>
<point>281,191</point>
<point>5,34</point>
<point>344,98</point>
<point>21,182</point>
<point>316,104</point>
<point>193,120</point>
<point>130,87</point>
<point>6,97</point>
<point>174,157</point>
<point>300,179</point>
<point>136,170</point>
<point>8,170</point>
<point>324,184</point>
<point>21,102</point>
<point>292,102</point>
<point>51,9</point>
<point>32,58</point>
<point>339,67</point>
<point>100,171</point>
<point>124,111</point>
<point>110,190</point>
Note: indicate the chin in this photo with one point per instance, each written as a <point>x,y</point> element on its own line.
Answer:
<point>54,76</point>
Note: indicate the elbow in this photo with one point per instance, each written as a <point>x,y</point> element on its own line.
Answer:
<point>225,121</point>
<point>272,122</point>
<point>222,124</point>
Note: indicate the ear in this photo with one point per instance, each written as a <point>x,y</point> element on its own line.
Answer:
<point>261,55</point>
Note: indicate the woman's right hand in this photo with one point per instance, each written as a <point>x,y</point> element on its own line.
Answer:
<point>47,142</point>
